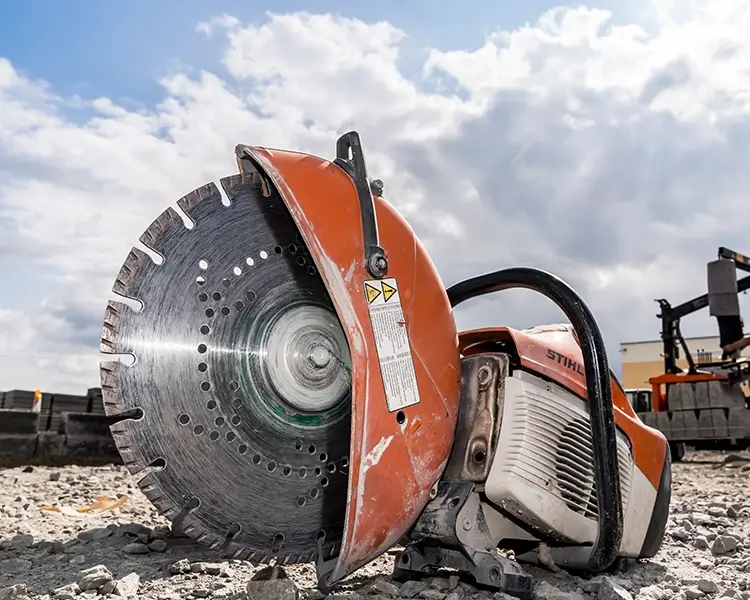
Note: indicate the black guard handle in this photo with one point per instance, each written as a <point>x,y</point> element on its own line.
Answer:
<point>598,387</point>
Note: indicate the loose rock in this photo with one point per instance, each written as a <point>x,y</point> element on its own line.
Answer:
<point>181,566</point>
<point>135,548</point>
<point>412,588</point>
<point>723,545</point>
<point>128,585</point>
<point>14,592</point>
<point>272,583</point>
<point>94,578</point>
<point>158,545</point>
<point>609,590</point>
<point>66,592</point>
<point>14,565</point>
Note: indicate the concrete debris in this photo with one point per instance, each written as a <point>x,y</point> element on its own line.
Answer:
<point>94,578</point>
<point>611,590</point>
<point>411,589</point>
<point>383,587</point>
<point>723,544</point>
<point>47,556</point>
<point>136,548</point>
<point>66,592</point>
<point>272,583</point>
<point>14,592</point>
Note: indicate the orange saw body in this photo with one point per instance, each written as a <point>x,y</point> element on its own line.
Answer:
<point>386,426</point>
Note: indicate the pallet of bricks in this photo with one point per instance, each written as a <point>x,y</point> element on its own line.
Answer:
<point>702,410</point>
<point>66,427</point>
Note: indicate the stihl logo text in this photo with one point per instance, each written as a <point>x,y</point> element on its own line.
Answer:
<point>568,363</point>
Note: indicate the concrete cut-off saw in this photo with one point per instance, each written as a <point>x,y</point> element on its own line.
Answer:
<point>298,392</point>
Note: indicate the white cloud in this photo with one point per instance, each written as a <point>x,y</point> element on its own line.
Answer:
<point>614,155</point>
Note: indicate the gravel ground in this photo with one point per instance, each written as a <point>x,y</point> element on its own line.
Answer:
<point>130,552</point>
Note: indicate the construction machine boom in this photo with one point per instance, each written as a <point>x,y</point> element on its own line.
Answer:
<point>705,403</point>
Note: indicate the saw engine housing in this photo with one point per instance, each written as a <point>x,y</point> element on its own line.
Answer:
<point>459,444</point>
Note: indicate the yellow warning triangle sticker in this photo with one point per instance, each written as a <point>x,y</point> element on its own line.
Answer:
<point>388,291</point>
<point>372,293</point>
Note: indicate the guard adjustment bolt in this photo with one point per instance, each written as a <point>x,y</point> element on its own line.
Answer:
<point>376,187</point>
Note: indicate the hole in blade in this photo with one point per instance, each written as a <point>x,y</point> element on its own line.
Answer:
<point>278,542</point>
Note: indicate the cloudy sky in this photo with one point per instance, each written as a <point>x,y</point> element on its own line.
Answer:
<point>608,143</point>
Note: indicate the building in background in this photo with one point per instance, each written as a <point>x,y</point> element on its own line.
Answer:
<point>643,360</point>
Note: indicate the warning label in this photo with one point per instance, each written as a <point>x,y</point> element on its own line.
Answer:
<point>392,343</point>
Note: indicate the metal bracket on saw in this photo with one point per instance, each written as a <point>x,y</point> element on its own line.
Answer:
<point>351,159</point>
<point>452,533</point>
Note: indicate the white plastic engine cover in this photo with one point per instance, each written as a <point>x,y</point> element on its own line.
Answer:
<point>543,472</point>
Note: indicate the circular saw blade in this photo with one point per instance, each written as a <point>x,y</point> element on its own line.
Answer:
<point>240,457</point>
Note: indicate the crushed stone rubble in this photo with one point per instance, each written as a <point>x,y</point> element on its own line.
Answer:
<point>132,552</point>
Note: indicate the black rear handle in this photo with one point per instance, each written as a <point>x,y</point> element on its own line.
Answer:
<point>598,387</point>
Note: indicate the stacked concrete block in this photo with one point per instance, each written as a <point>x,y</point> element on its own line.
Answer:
<point>96,402</point>
<point>738,423</point>
<point>88,435</point>
<point>69,429</point>
<point>720,422</point>
<point>706,410</point>
<point>677,429</point>
<point>65,403</point>
<point>18,435</point>
<point>681,397</point>
<point>21,400</point>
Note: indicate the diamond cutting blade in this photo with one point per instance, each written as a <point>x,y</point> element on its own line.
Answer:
<point>240,394</point>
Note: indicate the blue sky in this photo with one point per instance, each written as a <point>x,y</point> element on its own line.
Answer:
<point>120,49</point>
<point>587,147</point>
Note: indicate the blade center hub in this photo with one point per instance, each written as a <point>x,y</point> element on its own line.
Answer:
<point>307,358</point>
